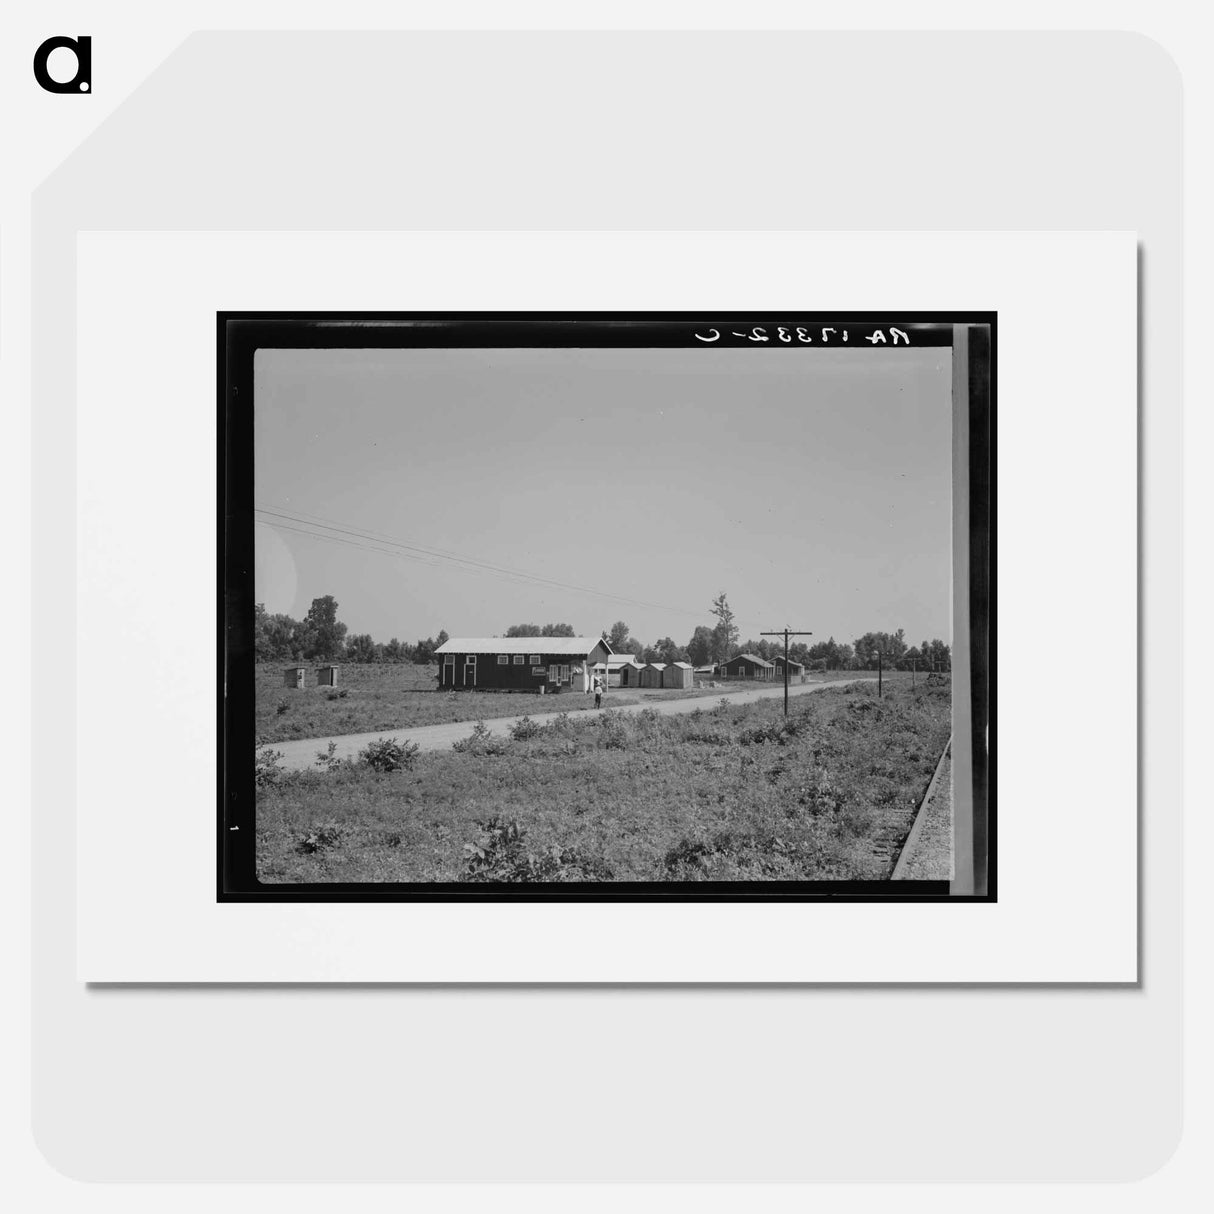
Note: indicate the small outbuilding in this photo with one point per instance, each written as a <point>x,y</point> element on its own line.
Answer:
<point>294,676</point>
<point>651,674</point>
<point>623,670</point>
<point>326,676</point>
<point>749,666</point>
<point>679,674</point>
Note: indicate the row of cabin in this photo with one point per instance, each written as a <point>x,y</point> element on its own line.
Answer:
<point>624,670</point>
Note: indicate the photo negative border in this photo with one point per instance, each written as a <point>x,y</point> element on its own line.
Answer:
<point>972,336</point>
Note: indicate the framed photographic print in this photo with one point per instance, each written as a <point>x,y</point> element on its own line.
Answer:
<point>606,606</point>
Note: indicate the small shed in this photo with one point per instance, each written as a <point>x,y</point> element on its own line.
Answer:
<point>293,676</point>
<point>678,674</point>
<point>651,674</point>
<point>326,676</point>
<point>622,670</point>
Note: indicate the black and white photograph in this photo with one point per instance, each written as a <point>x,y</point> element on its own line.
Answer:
<point>606,606</point>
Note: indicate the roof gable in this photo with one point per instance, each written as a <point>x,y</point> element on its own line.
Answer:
<point>750,657</point>
<point>563,646</point>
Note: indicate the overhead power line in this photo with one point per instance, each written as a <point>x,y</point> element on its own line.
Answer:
<point>408,549</point>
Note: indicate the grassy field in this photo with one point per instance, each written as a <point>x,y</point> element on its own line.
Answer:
<point>374,697</point>
<point>723,793</point>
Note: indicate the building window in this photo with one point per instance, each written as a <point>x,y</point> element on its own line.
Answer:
<point>519,660</point>
<point>448,659</point>
<point>564,674</point>
<point>503,659</point>
<point>536,659</point>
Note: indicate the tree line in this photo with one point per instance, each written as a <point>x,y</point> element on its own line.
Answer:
<point>321,636</point>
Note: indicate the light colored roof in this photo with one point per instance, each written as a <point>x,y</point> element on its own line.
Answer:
<point>623,659</point>
<point>750,657</point>
<point>656,665</point>
<point>684,665</point>
<point>791,661</point>
<point>573,646</point>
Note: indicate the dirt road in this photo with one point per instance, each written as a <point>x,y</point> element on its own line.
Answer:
<point>301,754</point>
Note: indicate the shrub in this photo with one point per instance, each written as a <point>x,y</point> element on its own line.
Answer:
<point>520,731</point>
<point>282,706</point>
<point>500,853</point>
<point>479,742</point>
<point>560,724</point>
<point>327,759</point>
<point>615,731</point>
<point>319,838</point>
<point>388,754</point>
<point>337,695</point>
<point>267,767</point>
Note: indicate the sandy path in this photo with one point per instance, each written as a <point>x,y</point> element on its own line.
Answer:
<point>301,753</point>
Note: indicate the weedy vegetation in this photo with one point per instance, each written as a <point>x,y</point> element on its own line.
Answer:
<point>374,697</point>
<point>733,792</point>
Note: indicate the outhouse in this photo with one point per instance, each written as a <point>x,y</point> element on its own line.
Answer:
<point>326,676</point>
<point>651,674</point>
<point>293,676</point>
<point>678,674</point>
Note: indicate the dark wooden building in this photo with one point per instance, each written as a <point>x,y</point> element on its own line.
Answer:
<point>796,671</point>
<point>749,666</point>
<point>520,663</point>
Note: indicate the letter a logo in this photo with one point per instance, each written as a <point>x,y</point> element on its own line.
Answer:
<point>82,81</point>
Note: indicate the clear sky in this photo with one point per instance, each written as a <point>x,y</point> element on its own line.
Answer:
<point>813,486</point>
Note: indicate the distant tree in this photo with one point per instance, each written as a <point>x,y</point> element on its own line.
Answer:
<point>669,650</point>
<point>423,652</point>
<point>891,644</point>
<point>937,655</point>
<point>323,635</point>
<point>725,634</point>
<point>558,630</point>
<point>524,630</point>
<point>617,638</point>
<point>830,653</point>
<point>394,651</point>
<point>361,648</point>
<point>276,638</point>
<point>699,648</point>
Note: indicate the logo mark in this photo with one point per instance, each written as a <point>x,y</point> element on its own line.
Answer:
<point>82,48</point>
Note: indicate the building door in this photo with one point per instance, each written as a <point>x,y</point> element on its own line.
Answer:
<point>449,670</point>
<point>470,670</point>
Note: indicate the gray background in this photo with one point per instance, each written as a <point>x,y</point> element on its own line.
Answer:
<point>619,131</point>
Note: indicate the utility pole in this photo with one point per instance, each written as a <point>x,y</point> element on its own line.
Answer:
<point>880,671</point>
<point>786,633</point>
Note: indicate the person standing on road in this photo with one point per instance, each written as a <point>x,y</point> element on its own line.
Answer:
<point>598,692</point>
